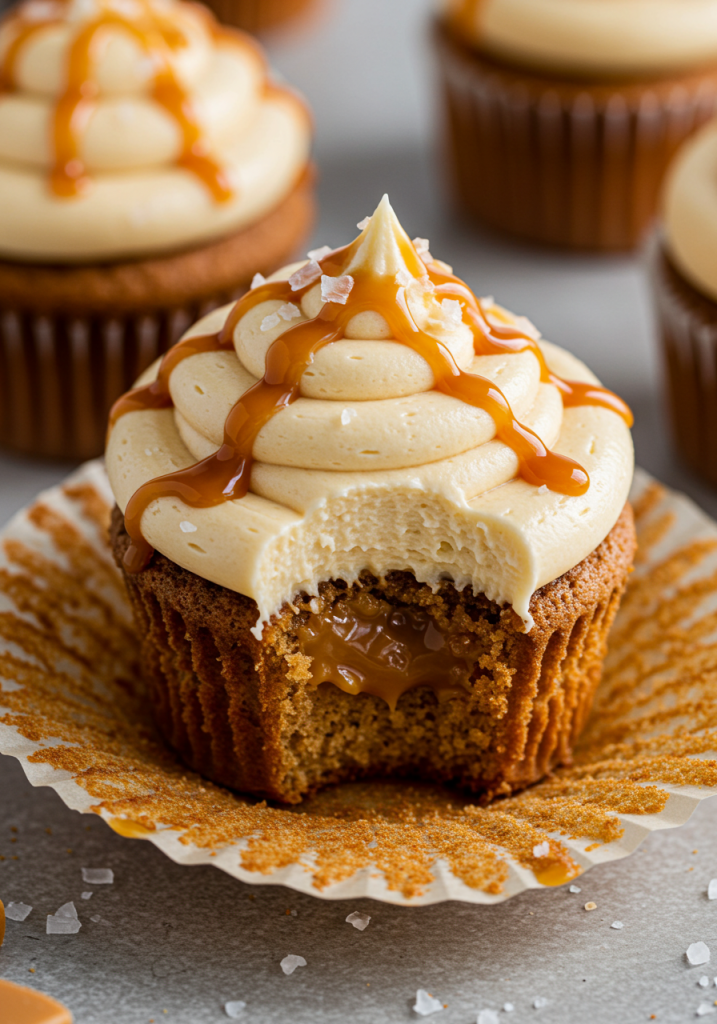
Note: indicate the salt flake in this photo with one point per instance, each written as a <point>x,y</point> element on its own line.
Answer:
<point>186,527</point>
<point>540,1002</point>
<point>288,311</point>
<point>704,981</point>
<point>704,1008</point>
<point>64,922</point>
<point>617,925</point>
<point>17,911</point>
<point>99,876</point>
<point>360,921</point>
<point>258,280</point>
<point>487,1017</point>
<point>96,918</point>
<point>426,1004</point>
<point>336,289</point>
<point>270,322</point>
<point>452,312</point>
<point>319,254</point>
<point>363,224</point>
<point>291,962</point>
<point>542,850</point>
<point>403,278</point>
<point>543,489</point>
<point>86,895</point>
<point>698,953</point>
<point>421,245</point>
<point>508,1007</point>
<point>234,1009</point>
<point>574,888</point>
<point>712,890</point>
<point>304,276</point>
<point>347,415</point>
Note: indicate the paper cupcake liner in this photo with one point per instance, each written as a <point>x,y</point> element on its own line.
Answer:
<point>687,323</point>
<point>60,374</point>
<point>73,712</point>
<point>562,162</point>
<point>260,15</point>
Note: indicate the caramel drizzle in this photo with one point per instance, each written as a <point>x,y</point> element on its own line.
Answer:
<point>226,475</point>
<point>159,38</point>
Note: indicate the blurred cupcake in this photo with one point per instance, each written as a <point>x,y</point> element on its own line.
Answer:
<point>148,168</point>
<point>562,115</point>
<point>262,15</point>
<point>684,273</point>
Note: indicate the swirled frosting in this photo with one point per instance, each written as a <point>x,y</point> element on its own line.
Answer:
<point>130,127</point>
<point>373,463</point>
<point>630,37</point>
<point>690,210</point>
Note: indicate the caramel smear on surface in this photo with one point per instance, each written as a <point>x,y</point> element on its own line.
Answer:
<point>71,652</point>
<point>21,1005</point>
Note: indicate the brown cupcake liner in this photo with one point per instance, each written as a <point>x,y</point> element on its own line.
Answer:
<point>687,324</point>
<point>74,338</point>
<point>237,711</point>
<point>559,161</point>
<point>260,15</point>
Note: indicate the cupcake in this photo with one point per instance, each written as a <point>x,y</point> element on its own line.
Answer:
<point>683,261</point>
<point>562,115</point>
<point>262,15</point>
<point>370,525</point>
<point>148,168</point>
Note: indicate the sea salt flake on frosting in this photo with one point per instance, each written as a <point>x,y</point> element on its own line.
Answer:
<point>336,289</point>
<point>403,278</point>
<point>100,876</point>
<point>291,962</point>
<point>426,1004</point>
<point>359,921</point>
<point>542,849</point>
<point>186,527</point>
<point>17,911</point>
<point>347,415</point>
<point>363,224</point>
<point>422,245</point>
<point>258,280</point>
<point>288,311</point>
<point>452,312</point>
<point>304,276</point>
<point>270,322</point>
<point>318,254</point>
<point>234,1009</point>
<point>698,953</point>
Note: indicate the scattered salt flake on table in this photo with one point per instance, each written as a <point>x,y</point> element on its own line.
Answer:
<point>86,895</point>
<point>17,911</point>
<point>318,254</point>
<point>336,289</point>
<point>101,876</point>
<point>291,962</point>
<point>360,921</point>
<point>64,922</point>
<point>363,224</point>
<point>288,311</point>
<point>540,1002</point>
<point>712,890</point>
<point>591,906</point>
<point>426,1004</point>
<point>617,925</point>
<point>96,918</point>
<point>270,322</point>
<point>698,953</point>
<point>541,850</point>
<point>186,527</point>
<point>574,888</point>
<point>508,1007</point>
<point>704,1008</point>
<point>347,415</point>
<point>487,1017</point>
<point>304,276</point>
<point>258,280</point>
<point>234,1009</point>
<point>704,981</point>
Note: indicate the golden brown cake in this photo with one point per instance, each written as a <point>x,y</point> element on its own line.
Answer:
<point>371,524</point>
<point>262,15</point>
<point>562,117</point>
<point>172,170</point>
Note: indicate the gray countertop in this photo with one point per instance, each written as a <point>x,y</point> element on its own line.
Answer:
<point>186,941</point>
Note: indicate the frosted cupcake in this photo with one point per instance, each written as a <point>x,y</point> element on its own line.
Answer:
<point>684,274</point>
<point>390,529</point>
<point>263,15</point>
<point>148,168</point>
<point>562,115</point>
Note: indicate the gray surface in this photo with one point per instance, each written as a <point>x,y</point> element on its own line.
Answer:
<point>187,940</point>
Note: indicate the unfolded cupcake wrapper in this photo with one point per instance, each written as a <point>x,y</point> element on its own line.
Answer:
<point>61,373</point>
<point>73,711</point>
<point>259,15</point>
<point>560,162</point>
<point>687,323</point>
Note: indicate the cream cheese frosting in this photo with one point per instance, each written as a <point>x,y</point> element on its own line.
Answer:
<point>147,180</point>
<point>630,37</point>
<point>690,210</point>
<point>371,467</point>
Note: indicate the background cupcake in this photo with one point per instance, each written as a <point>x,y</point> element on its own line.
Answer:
<point>263,15</point>
<point>684,274</point>
<point>562,115</point>
<point>148,167</point>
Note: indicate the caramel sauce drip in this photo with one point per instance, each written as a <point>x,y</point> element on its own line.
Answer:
<point>159,39</point>
<point>226,475</point>
<point>365,645</point>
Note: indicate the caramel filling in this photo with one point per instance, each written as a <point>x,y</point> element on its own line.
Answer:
<point>20,1005</point>
<point>160,39</point>
<point>226,475</point>
<point>365,645</point>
